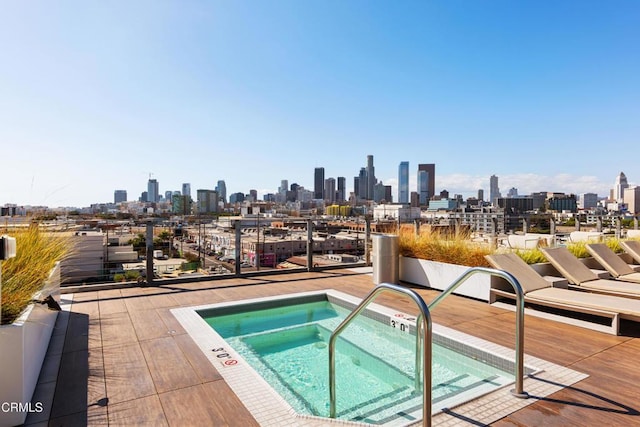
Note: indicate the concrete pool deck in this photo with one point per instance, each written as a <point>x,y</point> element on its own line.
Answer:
<point>119,357</point>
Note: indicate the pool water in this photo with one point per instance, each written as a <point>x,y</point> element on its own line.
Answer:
<point>375,378</point>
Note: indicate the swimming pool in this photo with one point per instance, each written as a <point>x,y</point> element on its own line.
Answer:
<point>375,357</point>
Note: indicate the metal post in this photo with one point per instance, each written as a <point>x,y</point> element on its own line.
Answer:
<point>423,330</point>
<point>309,245</point>
<point>519,365</point>
<point>238,227</point>
<point>149,245</point>
<point>367,241</point>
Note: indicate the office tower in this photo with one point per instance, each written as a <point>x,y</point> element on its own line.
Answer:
<point>181,205</point>
<point>119,196</point>
<point>330,190</point>
<point>444,194</point>
<point>632,199</point>
<point>356,187</point>
<point>481,194</point>
<point>430,169</point>
<point>221,188</point>
<point>618,189</point>
<point>494,190</point>
<point>153,191</point>
<point>403,182</point>
<point>341,196</point>
<point>253,195</point>
<point>186,189</point>
<point>284,186</point>
<point>423,187</point>
<point>513,192</point>
<point>371,178</point>
<point>363,182</point>
<point>236,198</point>
<point>168,195</point>
<point>207,201</point>
<point>318,183</point>
<point>588,201</point>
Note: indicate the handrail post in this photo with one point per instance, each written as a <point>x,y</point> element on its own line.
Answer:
<point>519,364</point>
<point>423,324</point>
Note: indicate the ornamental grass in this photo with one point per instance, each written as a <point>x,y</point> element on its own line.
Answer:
<point>449,247</point>
<point>25,274</point>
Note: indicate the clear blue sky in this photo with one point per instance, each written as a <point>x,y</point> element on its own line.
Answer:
<point>94,96</point>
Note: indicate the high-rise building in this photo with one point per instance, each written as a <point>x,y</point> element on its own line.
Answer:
<point>588,201</point>
<point>153,191</point>
<point>513,192</point>
<point>494,190</point>
<point>403,182</point>
<point>618,189</point>
<point>221,188</point>
<point>284,186</point>
<point>168,195</point>
<point>423,187</point>
<point>632,199</point>
<point>363,182</point>
<point>119,196</point>
<point>207,201</point>
<point>371,178</point>
<point>481,194</point>
<point>330,190</point>
<point>430,169</point>
<point>342,189</point>
<point>186,189</point>
<point>318,183</point>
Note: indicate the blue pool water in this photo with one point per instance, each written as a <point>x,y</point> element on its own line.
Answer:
<point>288,346</point>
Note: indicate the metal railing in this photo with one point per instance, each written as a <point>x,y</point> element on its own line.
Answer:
<point>519,364</point>
<point>424,322</point>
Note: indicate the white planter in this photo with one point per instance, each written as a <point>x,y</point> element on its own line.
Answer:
<point>440,275</point>
<point>23,345</point>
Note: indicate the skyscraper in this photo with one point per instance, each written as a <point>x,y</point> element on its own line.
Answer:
<point>119,196</point>
<point>221,188</point>
<point>430,169</point>
<point>186,189</point>
<point>423,187</point>
<point>330,190</point>
<point>494,190</point>
<point>403,182</point>
<point>153,191</point>
<point>618,189</point>
<point>342,195</point>
<point>371,178</point>
<point>318,183</point>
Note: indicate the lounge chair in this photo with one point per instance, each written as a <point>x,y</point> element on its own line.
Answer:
<point>632,247</point>
<point>537,290</point>
<point>583,278</point>
<point>613,263</point>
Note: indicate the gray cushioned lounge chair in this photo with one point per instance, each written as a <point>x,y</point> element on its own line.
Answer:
<point>613,263</point>
<point>580,275</point>
<point>538,290</point>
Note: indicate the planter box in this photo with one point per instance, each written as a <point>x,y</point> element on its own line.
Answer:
<point>440,275</point>
<point>23,347</point>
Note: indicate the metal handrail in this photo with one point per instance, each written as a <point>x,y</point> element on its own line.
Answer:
<point>519,365</point>
<point>423,324</point>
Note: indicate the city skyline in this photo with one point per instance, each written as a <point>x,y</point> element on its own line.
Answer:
<point>96,99</point>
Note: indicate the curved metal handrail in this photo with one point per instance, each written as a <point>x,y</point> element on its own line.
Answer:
<point>422,324</point>
<point>519,365</point>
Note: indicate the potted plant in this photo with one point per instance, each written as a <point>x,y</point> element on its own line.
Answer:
<point>30,286</point>
<point>435,259</point>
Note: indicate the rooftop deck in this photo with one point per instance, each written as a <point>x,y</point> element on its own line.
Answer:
<point>119,357</point>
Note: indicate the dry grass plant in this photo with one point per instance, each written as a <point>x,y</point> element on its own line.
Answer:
<point>22,276</point>
<point>434,245</point>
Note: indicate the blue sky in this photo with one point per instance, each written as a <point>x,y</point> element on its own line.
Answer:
<point>95,96</point>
